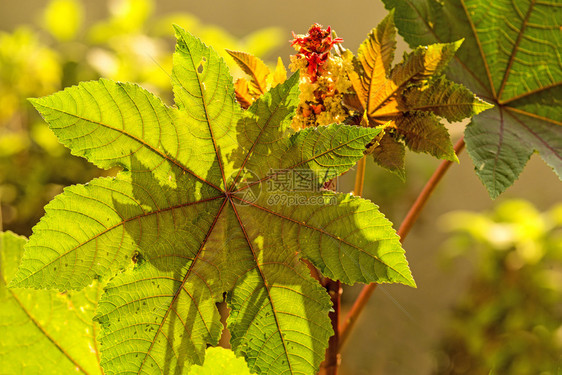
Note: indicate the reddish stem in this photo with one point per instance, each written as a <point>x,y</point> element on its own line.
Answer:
<point>332,360</point>
<point>403,231</point>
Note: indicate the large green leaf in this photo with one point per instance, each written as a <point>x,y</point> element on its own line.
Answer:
<point>44,332</point>
<point>212,199</point>
<point>510,57</point>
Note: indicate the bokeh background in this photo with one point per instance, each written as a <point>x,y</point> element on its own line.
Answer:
<point>489,283</point>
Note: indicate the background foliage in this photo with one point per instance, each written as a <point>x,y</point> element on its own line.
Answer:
<point>509,319</point>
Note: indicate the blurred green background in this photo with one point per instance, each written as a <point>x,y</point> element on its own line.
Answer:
<point>488,299</point>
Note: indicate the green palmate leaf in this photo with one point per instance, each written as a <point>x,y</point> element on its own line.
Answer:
<point>44,332</point>
<point>485,134</point>
<point>510,57</point>
<point>412,96</point>
<point>212,199</point>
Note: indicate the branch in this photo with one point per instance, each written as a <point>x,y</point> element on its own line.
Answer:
<point>332,360</point>
<point>403,231</point>
<point>359,177</point>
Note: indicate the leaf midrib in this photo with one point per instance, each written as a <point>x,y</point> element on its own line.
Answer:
<point>151,148</point>
<point>204,102</point>
<point>246,237</point>
<point>261,89</point>
<point>181,287</point>
<point>439,40</point>
<point>262,130</point>
<point>46,334</point>
<point>497,154</point>
<point>401,83</point>
<point>530,114</point>
<point>424,108</point>
<point>522,123</point>
<point>528,93</point>
<point>481,50</point>
<point>116,226</point>
<point>515,49</point>
<point>326,234</point>
<point>377,60</point>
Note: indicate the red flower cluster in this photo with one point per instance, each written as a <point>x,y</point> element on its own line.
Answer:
<point>315,48</point>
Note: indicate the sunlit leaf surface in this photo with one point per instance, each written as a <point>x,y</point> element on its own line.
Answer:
<point>41,331</point>
<point>221,361</point>
<point>211,199</point>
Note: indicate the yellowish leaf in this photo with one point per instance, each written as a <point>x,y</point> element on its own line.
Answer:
<point>280,73</point>
<point>352,102</point>
<point>243,95</point>
<point>372,65</point>
<point>417,67</point>
<point>255,68</point>
<point>410,98</point>
<point>389,111</point>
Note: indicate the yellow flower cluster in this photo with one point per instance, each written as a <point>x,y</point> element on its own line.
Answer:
<point>322,86</point>
<point>321,101</point>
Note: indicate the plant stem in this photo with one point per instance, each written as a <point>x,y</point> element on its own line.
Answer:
<point>332,360</point>
<point>359,177</point>
<point>403,231</point>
